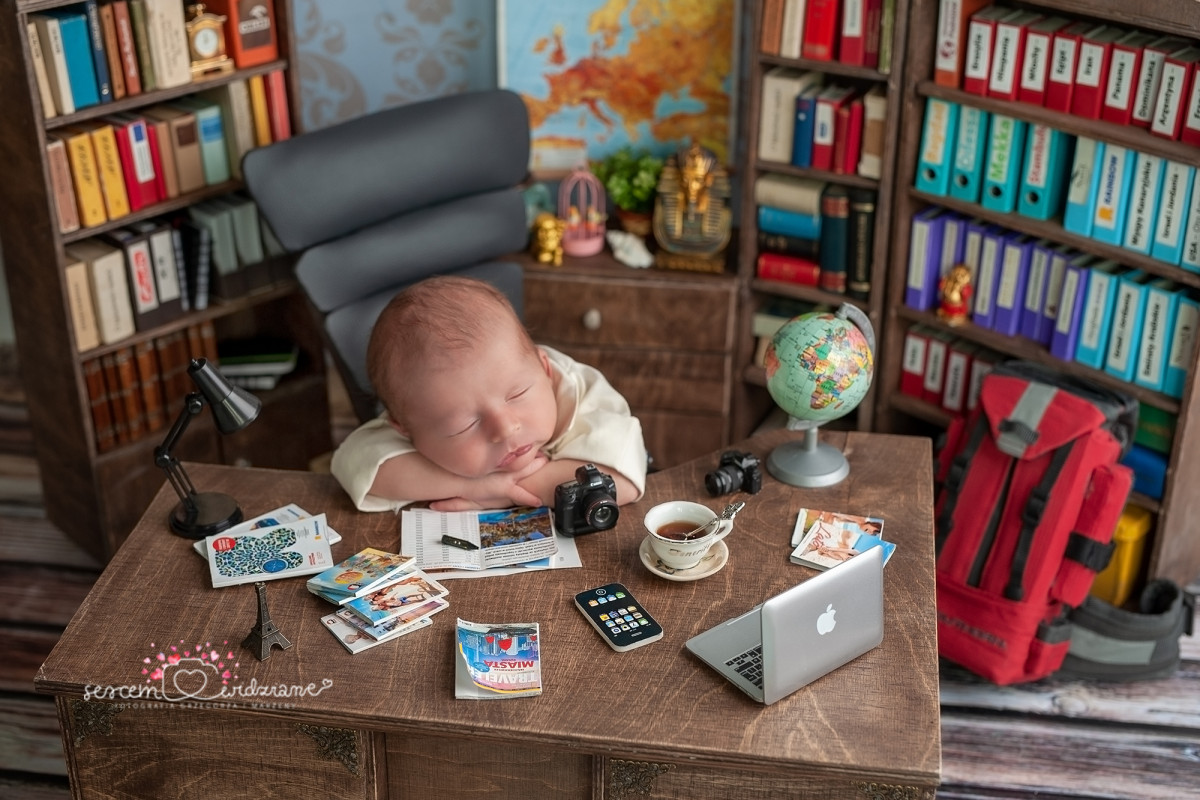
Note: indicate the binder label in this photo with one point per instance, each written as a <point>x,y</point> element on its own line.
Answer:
<point>970,129</point>
<point>1118,342</point>
<point>1120,79</point>
<point>1093,314</point>
<point>1070,290</point>
<point>1174,186</point>
<point>987,275</point>
<point>1033,72</point>
<point>937,123</point>
<point>946,58</point>
<point>1145,193</point>
<point>1110,186</point>
<point>1062,68</point>
<point>979,51</point>
<point>1003,70</point>
<point>1001,148</point>
<point>1166,108</point>
<point>1147,85</point>
<point>1091,63</point>
<point>1150,364</point>
<point>1081,171</point>
<point>1036,173</point>
<point>1183,337</point>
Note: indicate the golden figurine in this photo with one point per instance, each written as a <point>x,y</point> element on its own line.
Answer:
<point>955,290</point>
<point>547,242</point>
<point>691,211</point>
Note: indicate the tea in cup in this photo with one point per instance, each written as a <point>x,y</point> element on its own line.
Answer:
<point>669,526</point>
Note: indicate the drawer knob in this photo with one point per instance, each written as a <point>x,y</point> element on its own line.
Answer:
<point>592,319</point>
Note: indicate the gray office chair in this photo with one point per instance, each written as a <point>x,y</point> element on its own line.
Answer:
<point>381,201</point>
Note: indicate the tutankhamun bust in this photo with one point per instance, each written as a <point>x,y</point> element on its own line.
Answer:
<point>691,210</point>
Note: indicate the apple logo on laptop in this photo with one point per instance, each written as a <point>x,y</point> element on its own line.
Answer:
<point>826,622</point>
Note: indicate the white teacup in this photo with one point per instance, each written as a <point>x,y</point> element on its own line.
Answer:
<point>677,553</point>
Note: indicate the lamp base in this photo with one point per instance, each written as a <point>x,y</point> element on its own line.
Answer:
<point>808,463</point>
<point>211,512</point>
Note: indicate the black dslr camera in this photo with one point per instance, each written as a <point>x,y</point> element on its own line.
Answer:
<point>736,471</point>
<point>586,504</point>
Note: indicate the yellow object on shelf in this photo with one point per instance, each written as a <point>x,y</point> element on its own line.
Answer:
<point>1116,581</point>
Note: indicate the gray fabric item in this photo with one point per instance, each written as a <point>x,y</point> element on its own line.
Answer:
<point>327,183</point>
<point>407,248</point>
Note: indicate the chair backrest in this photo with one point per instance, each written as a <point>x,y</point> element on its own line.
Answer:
<point>383,200</point>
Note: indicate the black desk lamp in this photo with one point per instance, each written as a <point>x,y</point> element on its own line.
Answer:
<point>201,514</point>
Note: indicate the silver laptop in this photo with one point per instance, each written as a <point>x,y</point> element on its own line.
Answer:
<point>801,634</point>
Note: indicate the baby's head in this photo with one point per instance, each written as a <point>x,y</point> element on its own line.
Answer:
<point>460,376</point>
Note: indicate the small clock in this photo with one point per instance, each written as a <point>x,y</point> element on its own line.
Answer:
<point>206,42</point>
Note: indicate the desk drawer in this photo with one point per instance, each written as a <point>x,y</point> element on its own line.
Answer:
<point>566,309</point>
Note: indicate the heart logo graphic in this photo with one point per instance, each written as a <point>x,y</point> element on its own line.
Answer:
<point>190,682</point>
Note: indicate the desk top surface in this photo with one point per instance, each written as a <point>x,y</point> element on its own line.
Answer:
<point>877,715</point>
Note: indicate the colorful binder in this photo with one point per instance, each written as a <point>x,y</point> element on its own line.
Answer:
<point>1143,202</point>
<point>1044,177</point>
<point>1125,335</point>
<point>1092,345</point>
<point>937,146</point>
<point>1182,342</point>
<point>1112,198</point>
<point>1054,301</point>
<point>1083,186</point>
<point>1162,301</point>
<point>990,253</point>
<point>924,259</point>
<point>1002,175</point>
<point>1010,284</point>
<point>1065,337</point>
<point>1173,208</point>
<point>1034,325</point>
<point>970,141</point>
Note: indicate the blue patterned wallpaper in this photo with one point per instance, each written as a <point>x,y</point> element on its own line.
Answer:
<point>358,56</point>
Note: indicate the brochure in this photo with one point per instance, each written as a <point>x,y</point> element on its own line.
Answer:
<point>486,539</point>
<point>497,661</point>
<point>276,551</point>
<point>356,640</point>
<point>289,513</point>
<point>360,574</point>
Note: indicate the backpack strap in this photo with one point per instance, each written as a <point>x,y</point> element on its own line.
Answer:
<point>1031,517</point>
<point>1019,429</point>
<point>955,475</point>
<point>1089,553</point>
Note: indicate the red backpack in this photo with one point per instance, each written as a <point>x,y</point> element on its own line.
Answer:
<point>1030,494</point>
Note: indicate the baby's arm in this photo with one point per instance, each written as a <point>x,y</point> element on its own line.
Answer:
<point>543,482</point>
<point>412,476</point>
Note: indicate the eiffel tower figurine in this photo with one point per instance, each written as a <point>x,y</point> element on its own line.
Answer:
<point>264,635</point>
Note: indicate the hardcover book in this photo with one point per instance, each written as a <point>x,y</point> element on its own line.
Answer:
<point>835,234</point>
<point>249,30</point>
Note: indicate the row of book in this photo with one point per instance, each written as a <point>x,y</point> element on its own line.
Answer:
<point>98,51</point>
<point>811,124</point>
<point>135,391</point>
<point>118,164</point>
<point>1108,72</point>
<point>947,371</point>
<point>1133,325</point>
<point>1142,202</point>
<point>138,277</point>
<point>855,32</point>
<point>815,233</point>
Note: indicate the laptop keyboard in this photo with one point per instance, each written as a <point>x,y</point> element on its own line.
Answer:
<point>749,665</point>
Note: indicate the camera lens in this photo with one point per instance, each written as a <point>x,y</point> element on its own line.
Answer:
<point>600,511</point>
<point>723,479</point>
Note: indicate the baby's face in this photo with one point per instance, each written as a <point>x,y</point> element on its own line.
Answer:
<point>491,411</point>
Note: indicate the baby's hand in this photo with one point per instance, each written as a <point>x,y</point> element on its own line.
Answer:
<point>496,490</point>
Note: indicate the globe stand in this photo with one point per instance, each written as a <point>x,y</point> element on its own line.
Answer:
<point>807,463</point>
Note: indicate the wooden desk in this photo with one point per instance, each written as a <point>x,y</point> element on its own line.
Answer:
<point>650,722</point>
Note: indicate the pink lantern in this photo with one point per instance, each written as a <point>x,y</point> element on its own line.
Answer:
<point>582,204</point>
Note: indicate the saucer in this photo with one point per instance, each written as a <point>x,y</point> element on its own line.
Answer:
<point>713,560</point>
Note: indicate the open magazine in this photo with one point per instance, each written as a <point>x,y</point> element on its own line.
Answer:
<point>497,661</point>
<point>825,539</point>
<point>504,537</point>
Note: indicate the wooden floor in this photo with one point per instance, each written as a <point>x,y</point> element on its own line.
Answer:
<point>1060,740</point>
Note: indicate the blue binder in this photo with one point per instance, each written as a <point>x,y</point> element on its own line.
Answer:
<point>1125,335</point>
<point>1002,173</point>
<point>1044,176</point>
<point>1177,191</point>
<point>1143,202</point>
<point>1162,302</point>
<point>937,146</point>
<point>1082,186</point>
<point>1181,342</point>
<point>1112,196</point>
<point>966,172</point>
<point>1096,320</point>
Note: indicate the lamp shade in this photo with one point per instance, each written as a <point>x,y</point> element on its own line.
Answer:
<point>233,408</point>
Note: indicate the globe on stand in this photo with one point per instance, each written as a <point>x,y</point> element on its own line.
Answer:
<point>819,368</point>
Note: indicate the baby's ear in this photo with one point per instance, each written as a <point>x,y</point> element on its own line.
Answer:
<point>545,359</point>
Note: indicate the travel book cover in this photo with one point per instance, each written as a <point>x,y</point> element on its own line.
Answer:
<point>824,539</point>
<point>497,661</point>
<point>276,551</point>
<point>361,573</point>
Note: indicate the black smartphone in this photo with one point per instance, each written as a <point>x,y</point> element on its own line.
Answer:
<point>618,617</point>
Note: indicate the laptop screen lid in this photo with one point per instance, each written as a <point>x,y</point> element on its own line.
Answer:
<point>805,632</point>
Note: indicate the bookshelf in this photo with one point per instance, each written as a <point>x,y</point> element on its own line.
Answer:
<point>751,402</point>
<point>1172,551</point>
<point>97,497</point>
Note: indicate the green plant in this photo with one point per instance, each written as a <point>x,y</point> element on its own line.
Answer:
<point>630,178</point>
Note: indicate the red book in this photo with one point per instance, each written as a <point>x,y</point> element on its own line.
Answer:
<point>849,134</point>
<point>1190,132</point>
<point>981,35</point>
<point>1060,82</point>
<point>1173,91</point>
<point>912,368</point>
<point>830,99</point>
<point>1091,73</point>
<point>137,159</point>
<point>772,26</point>
<point>249,31</point>
<point>277,106</point>
<point>160,178</point>
<point>788,269</point>
<point>1035,62</point>
<point>821,26</point>
<point>1154,55</point>
<point>1124,65</point>
<point>859,43</point>
<point>127,46</point>
<point>953,18</point>
<point>938,348</point>
<point>1008,53</point>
